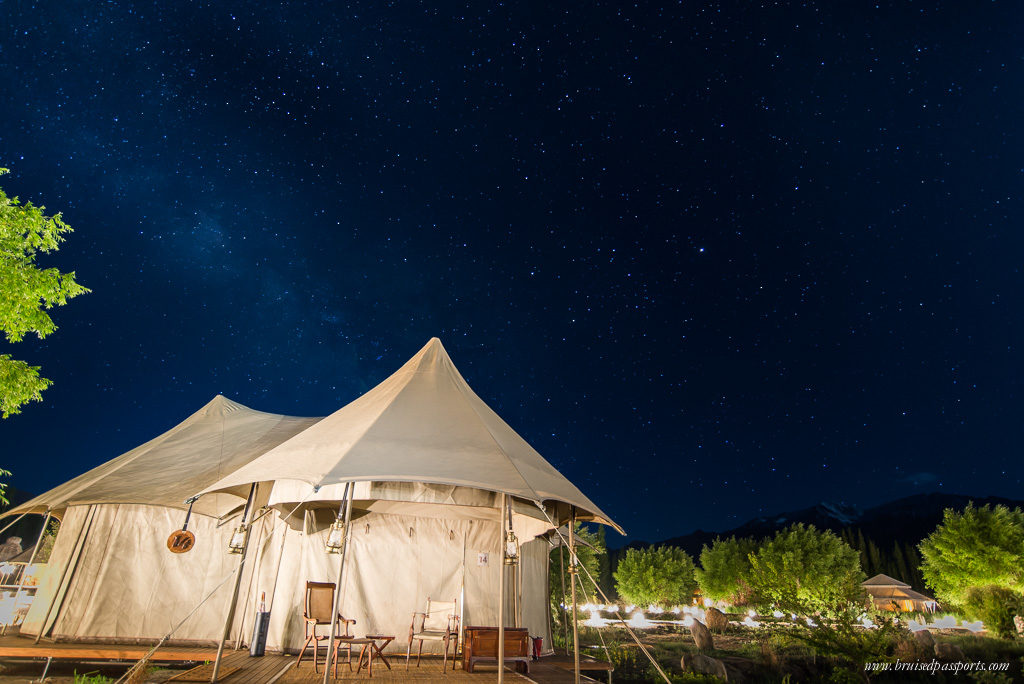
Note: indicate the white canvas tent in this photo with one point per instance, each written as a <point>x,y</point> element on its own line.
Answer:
<point>110,576</point>
<point>430,462</point>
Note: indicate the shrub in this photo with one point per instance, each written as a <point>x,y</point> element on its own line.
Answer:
<point>996,607</point>
<point>724,574</point>
<point>979,547</point>
<point>661,575</point>
<point>806,571</point>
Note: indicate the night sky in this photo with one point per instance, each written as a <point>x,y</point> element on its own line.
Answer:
<point>711,260</point>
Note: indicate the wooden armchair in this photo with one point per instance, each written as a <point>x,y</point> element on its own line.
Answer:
<point>317,613</point>
<point>439,622</point>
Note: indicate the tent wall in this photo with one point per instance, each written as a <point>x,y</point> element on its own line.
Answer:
<point>111,577</point>
<point>393,564</point>
<point>536,606</point>
<point>122,584</point>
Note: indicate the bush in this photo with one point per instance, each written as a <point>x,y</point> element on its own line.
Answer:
<point>662,575</point>
<point>724,574</point>
<point>806,571</point>
<point>979,547</point>
<point>996,607</point>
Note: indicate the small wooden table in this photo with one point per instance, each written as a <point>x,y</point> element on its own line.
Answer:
<point>375,649</point>
<point>481,644</point>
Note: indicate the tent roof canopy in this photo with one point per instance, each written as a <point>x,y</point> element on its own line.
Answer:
<point>215,440</point>
<point>423,424</point>
<point>881,580</point>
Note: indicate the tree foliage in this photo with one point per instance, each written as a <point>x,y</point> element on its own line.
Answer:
<point>724,574</point>
<point>662,575</point>
<point>996,607</point>
<point>806,571</point>
<point>979,547</point>
<point>558,575</point>
<point>27,292</point>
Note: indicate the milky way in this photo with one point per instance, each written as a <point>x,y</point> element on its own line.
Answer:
<point>711,260</point>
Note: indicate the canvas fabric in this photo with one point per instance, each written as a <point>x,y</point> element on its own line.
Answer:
<point>393,564</point>
<point>423,424</point>
<point>102,597</point>
<point>211,443</point>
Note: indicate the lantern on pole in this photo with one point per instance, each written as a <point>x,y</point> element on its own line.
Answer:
<point>511,548</point>
<point>336,536</point>
<point>237,544</point>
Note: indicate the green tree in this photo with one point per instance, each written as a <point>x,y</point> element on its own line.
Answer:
<point>980,547</point>
<point>27,292</point>
<point>724,574</point>
<point>806,571</point>
<point>996,607</point>
<point>662,575</point>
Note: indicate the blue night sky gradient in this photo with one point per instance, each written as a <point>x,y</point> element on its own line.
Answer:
<point>712,260</point>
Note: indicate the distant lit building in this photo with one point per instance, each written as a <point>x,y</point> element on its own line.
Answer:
<point>888,593</point>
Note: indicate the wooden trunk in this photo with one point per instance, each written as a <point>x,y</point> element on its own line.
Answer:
<point>481,644</point>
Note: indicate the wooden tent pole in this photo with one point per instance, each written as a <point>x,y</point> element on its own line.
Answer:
<point>561,578</point>
<point>573,569</point>
<point>501,589</point>
<point>350,490</point>
<point>238,584</point>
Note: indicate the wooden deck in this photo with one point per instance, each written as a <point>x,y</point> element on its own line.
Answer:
<point>13,646</point>
<point>238,668</point>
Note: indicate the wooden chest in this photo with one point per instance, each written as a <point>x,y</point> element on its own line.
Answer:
<point>481,644</point>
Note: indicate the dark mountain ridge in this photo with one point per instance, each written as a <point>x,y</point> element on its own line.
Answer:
<point>906,521</point>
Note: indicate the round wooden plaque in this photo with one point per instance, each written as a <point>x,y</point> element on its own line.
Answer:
<point>181,541</point>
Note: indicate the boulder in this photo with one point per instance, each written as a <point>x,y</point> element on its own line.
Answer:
<point>947,651</point>
<point>717,622</point>
<point>702,664</point>
<point>702,636</point>
<point>924,639</point>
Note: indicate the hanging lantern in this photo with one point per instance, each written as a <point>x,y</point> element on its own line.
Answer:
<point>336,536</point>
<point>237,543</point>
<point>511,548</point>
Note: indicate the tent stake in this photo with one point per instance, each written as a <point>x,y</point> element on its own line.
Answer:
<point>350,491</point>
<point>501,589</point>
<point>573,569</point>
<point>238,584</point>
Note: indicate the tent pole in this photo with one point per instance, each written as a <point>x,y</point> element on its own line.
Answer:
<point>350,490</point>
<point>501,589</point>
<point>31,560</point>
<point>573,569</point>
<point>238,584</point>
<point>8,525</point>
<point>565,609</point>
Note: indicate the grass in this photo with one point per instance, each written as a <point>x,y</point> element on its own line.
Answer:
<point>766,655</point>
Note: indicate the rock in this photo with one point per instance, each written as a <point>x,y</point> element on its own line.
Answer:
<point>10,548</point>
<point>717,622</point>
<point>924,638</point>
<point>702,636</point>
<point>947,651</point>
<point>702,664</point>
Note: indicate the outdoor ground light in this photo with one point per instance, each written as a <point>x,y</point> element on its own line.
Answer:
<point>511,548</point>
<point>336,537</point>
<point>237,543</point>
